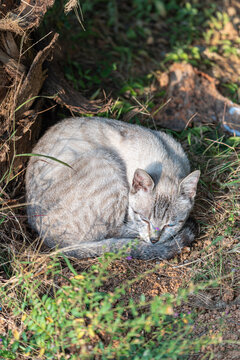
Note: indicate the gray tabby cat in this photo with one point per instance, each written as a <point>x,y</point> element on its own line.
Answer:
<point>125,183</point>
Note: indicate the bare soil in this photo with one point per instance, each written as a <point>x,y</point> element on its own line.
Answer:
<point>216,309</point>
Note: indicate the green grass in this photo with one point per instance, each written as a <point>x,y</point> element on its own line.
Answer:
<point>58,312</point>
<point>186,28</point>
<point>53,309</point>
<point>79,318</point>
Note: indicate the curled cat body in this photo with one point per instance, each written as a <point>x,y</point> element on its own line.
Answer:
<point>126,186</point>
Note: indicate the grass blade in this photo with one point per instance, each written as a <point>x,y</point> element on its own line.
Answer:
<point>46,156</point>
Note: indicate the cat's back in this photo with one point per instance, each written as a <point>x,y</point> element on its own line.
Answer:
<point>69,139</point>
<point>137,146</point>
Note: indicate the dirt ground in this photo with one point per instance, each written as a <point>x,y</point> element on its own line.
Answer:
<point>216,309</point>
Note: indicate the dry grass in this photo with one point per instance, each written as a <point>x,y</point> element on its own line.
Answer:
<point>213,263</point>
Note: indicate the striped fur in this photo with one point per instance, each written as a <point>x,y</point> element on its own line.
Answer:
<point>125,183</point>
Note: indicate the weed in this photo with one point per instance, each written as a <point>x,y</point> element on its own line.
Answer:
<point>50,308</point>
<point>233,91</point>
<point>80,315</point>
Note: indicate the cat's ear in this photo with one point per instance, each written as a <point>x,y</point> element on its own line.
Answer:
<point>142,180</point>
<point>188,185</point>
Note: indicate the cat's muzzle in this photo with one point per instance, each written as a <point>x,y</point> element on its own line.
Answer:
<point>154,240</point>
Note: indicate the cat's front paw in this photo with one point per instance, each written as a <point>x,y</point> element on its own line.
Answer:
<point>169,248</point>
<point>187,235</point>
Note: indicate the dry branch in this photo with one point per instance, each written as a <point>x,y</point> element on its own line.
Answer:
<point>22,77</point>
<point>26,16</point>
<point>35,77</point>
<point>65,95</point>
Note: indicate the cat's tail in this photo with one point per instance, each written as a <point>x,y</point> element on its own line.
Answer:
<point>135,247</point>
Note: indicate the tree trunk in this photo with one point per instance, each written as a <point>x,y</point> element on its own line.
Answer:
<point>22,78</point>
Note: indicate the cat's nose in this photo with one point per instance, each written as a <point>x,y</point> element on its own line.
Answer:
<point>154,240</point>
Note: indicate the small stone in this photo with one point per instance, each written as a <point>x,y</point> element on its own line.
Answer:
<point>207,242</point>
<point>150,40</point>
<point>228,294</point>
<point>231,11</point>
<point>237,300</point>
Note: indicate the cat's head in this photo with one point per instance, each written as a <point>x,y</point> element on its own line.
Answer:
<point>158,212</point>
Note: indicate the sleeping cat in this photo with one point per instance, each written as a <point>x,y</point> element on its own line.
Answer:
<point>127,187</point>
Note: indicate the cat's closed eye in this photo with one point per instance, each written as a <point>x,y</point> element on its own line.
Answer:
<point>174,224</point>
<point>143,218</point>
